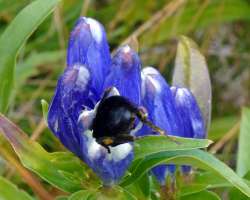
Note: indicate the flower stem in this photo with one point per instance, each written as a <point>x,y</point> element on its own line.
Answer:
<point>168,192</point>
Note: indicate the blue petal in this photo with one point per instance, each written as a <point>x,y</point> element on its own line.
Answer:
<point>88,46</point>
<point>125,74</point>
<point>191,117</point>
<point>162,171</point>
<point>157,99</point>
<point>66,106</point>
<point>189,112</point>
<point>186,169</point>
<point>109,167</point>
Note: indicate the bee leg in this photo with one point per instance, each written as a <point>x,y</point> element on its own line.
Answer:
<point>108,149</point>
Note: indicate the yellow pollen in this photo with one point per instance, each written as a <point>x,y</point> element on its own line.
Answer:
<point>107,141</point>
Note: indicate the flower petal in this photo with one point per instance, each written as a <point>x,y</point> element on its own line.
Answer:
<point>157,99</point>
<point>88,46</point>
<point>190,113</point>
<point>188,110</point>
<point>110,167</point>
<point>66,106</point>
<point>125,74</point>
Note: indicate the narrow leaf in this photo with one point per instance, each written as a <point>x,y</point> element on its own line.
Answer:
<point>14,37</point>
<point>208,195</point>
<point>191,72</point>
<point>197,158</point>
<point>81,195</point>
<point>61,169</point>
<point>9,191</point>
<point>243,161</point>
<point>155,144</point>
<point>45,108</point>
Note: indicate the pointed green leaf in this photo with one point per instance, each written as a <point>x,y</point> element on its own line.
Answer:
<point>243,161</point>
<point>45,109</point>
<point>61,169</point>
<point>9,191</point>
<point>141,187</point>
<point>154,144</point>
<point>14,37</point>
<point>197,158</point>
<point>103,193</point>
<point>191,71</point>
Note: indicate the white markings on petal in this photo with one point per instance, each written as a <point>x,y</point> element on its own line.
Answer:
<point>56,125</point>
<point>120,152</point>
<point>96,29</point>
<point>83,76</point>
<point>143,84</point>
<point>182,93</point>
<point>148,74</point>
<point>126,49</point>
<point>155,83</point>
<point>94,149</point>
<point>150,71</point>
<point>113,92</point>
<point>86,118</point>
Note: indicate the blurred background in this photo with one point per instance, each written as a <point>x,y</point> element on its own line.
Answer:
<point>221,28</point>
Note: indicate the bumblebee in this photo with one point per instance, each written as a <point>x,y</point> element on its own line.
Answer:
<point>115,119</point>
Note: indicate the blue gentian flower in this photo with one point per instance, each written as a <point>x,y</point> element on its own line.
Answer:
<point>175,110</point>
<point>89,72</point>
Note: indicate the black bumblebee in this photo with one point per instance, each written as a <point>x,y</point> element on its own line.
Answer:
<point>115,119</point>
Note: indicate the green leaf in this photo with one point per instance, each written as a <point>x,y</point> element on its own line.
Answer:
<point>82,195</point>
<point>141,187</point>
<point>202,181</point>
<point>197,158</point>
<point>104,193</point>
<point>45,109</point>
<point>9,191</point>
<point>191,72</point>
<point>207,195</point>
<point>243,161</point>
<point>12,40</point>
<point>61,169</point>
<point>154,144</point>
<point>234,194</point>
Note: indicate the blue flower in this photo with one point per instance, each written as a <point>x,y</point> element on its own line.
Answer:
<point>175,110</point>
<point>90,71</point>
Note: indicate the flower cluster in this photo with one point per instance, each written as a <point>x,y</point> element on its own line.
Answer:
<point>90,71</point>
